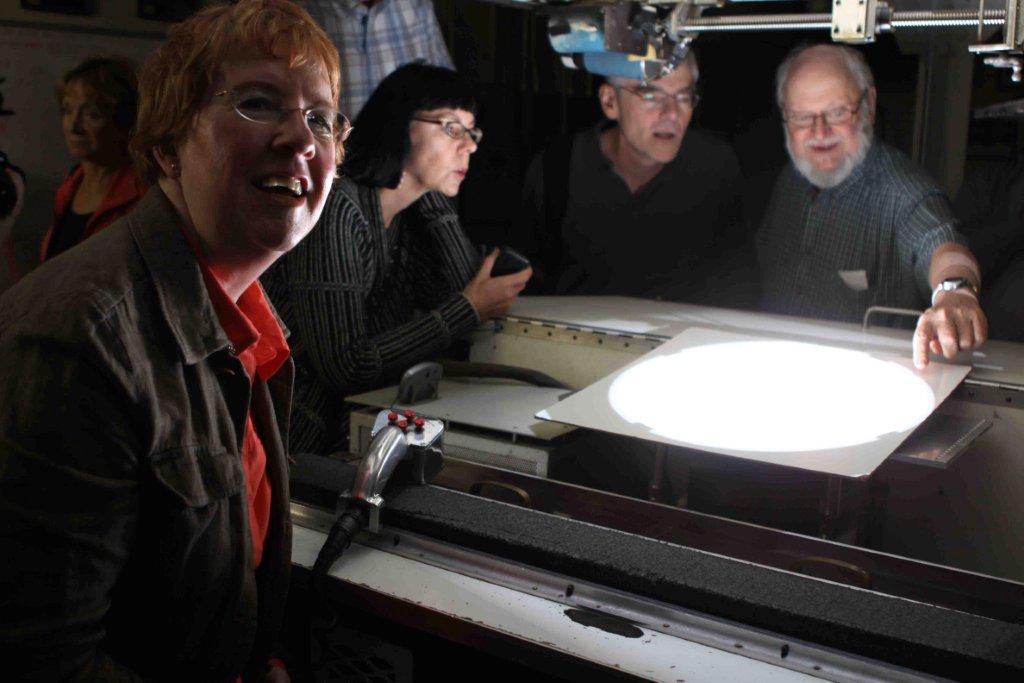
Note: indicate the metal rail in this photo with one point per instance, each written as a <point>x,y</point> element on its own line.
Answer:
<point>816,22</point>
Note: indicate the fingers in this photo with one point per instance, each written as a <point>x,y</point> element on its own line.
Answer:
<point>519,281</point>
<point>520,278</point>
<point>949,337</point>
<point>980,324</point>
<point>937,333</point>
<point>963,319</point>
<point>512,289</point>
<point>948,329</point>
<point>485,267</point>
<point>965,332</point>
<point>922,342</point>
<point>492,296</point>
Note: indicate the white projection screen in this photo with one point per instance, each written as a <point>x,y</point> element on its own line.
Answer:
<point>795,403</point>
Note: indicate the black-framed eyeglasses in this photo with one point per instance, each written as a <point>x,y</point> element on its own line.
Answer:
<point>261,106</point>
<point>652,98</point>
<point>833,117</point>
<point>454,129</point>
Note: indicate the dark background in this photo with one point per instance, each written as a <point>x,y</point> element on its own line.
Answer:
<point>527,97</point>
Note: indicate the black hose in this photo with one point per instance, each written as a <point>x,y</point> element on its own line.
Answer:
<point>345,528</point>
<point>323,617</point>
<point>459,368</point>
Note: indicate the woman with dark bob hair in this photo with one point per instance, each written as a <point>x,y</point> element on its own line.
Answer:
<point>388,278</point>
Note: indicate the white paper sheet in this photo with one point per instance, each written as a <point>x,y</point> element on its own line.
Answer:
<point>816,407</point>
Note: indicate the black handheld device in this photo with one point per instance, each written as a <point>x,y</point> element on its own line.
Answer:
<point>509,261</point>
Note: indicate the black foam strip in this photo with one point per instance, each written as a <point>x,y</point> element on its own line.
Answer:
<point>924,637</point>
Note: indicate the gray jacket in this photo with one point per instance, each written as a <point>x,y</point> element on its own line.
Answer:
<point>125,529</point>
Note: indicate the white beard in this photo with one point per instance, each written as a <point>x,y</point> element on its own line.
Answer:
<point>829,179</point>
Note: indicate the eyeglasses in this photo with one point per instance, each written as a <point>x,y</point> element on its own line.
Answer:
<point>454,129</point>
<point>832,117</point>
<point>652,98</point>
<point>260,106</point>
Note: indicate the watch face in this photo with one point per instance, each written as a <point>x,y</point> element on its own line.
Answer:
<point>955,283</point>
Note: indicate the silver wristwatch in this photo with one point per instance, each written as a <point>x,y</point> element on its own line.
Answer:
<point>951,283</point>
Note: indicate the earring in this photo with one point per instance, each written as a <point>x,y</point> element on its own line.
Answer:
<point>174,168</point>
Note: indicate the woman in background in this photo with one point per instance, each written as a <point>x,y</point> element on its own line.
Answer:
<point>98,99</point>
<point>388,278</point>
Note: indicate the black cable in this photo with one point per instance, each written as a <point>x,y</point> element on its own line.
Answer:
<point>340,537</point>
<point>459,368</point>
<point>345,528</point>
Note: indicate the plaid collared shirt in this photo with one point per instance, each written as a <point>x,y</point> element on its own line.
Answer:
<point>374,41</point>
<point>868,242</point>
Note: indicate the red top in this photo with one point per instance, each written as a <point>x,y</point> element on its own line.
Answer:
<point>124,191</point>
<point>260,345</point>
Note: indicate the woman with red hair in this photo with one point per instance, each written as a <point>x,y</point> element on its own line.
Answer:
<point>144,377</point>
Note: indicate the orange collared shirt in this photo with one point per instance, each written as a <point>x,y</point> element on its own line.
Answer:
<point>261,347</point>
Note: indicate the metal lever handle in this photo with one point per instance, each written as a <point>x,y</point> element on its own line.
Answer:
<point>392,439</point>
<point>909,312</point>
<point>523,498</point>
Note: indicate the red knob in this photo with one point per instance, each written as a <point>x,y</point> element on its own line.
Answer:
<point>402,424</point>
<point>392,416</point>
<point>410,413</point>
<point>419,422</point>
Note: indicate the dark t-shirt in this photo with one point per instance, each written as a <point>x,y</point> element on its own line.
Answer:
<point>990,207</point>
<point>68,232</point>
<point>681,237</point>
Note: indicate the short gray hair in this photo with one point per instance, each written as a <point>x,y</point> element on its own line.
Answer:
<point>852,60</point>
<point>690,60</point>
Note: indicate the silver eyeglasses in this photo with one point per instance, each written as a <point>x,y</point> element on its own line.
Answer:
<point>652,98</point>
<point>262,106</point>
<point>454,129</point>
<point>833,117</point>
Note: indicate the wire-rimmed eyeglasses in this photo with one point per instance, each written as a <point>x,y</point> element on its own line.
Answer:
<point>456,130</point>
<point>833,117</point>
<point>652,98</point>
<point>260,106</point>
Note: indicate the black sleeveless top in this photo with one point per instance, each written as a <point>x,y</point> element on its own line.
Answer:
<point>68,232</point>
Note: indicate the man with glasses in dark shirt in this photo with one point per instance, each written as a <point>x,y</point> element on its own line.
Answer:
<point>852,223</point>
<point>640,205</point>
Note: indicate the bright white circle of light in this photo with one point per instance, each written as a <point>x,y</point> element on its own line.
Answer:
<point>771,396</point>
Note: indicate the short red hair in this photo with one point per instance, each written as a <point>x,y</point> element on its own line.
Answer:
<point>176,79</point>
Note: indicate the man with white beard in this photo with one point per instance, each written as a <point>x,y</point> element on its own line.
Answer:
<point>852,223</point>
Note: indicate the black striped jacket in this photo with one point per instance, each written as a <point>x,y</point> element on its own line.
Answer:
<point>364,303</point>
